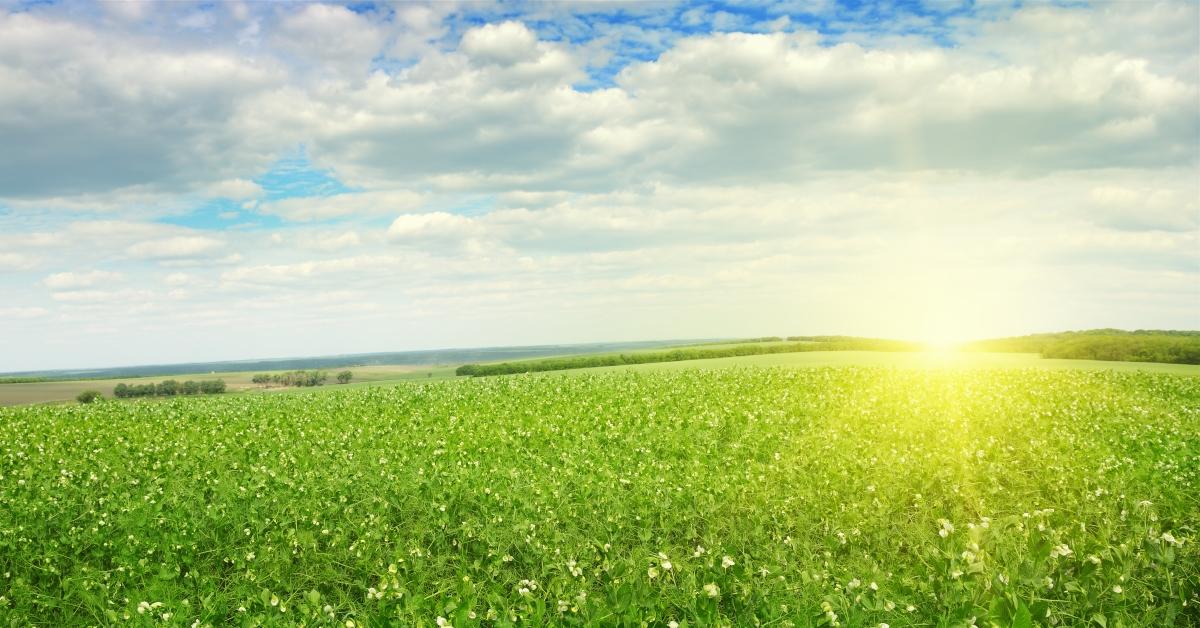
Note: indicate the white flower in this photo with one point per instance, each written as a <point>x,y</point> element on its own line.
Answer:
<point>1117,588</point>
<point>443,622</point>
<point>665,562</point>
<point>143,607</point>
<point>652,573</point>
<point>727,562</point>
<point>1169,538</point>
<point>699,552</point>
<point>1060,550</point>
<point>672,624</point>
<point>712,590</point>
<point>250,556</point>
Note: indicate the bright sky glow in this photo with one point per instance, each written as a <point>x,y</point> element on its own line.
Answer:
<point>207,181</point>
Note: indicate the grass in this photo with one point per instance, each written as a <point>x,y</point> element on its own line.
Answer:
<point>786,496</point>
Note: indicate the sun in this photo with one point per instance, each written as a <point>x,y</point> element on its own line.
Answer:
<point>942,345</point>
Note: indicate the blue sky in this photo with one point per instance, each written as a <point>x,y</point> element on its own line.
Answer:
<point>226,180</point>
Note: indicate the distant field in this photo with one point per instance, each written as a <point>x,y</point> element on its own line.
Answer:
<point>934,360</point>
<point>59,391</point>
<point>367,376</point>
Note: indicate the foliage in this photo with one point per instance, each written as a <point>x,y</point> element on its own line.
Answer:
<point>831,343</point>
<point>88,396</point>
<point>737,341</point>
<point>292,378</point>
<point>807,497</point>
<point>170,388</point>
<point>23,380</point>
<point>344,377</point>
<point>1171,347</point>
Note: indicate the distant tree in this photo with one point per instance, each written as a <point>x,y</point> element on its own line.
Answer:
<point>167,388</point>
<point>212,386</point>
<point>88,396</point>
<point>344,377</point>
<point>121,391</point>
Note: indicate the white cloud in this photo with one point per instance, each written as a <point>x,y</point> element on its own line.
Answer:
<point>72,280</point>
<point>331,36</point>
<point>107,111</point>
<point>175,248</point>
<point>506,43</point>
<point>235,189</point>
<point>348,204</point>
<point>127,297</point>
<point>178,279</point>
<point>22,313</point>
<point>16,261</point>
<point>299,271</point>
<point>434,227</point>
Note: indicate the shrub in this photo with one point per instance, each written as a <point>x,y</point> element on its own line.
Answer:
<point>88,396</point>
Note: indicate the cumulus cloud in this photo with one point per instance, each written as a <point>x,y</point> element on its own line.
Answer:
<point>506,43</point>
<point>333,37</point>
<point>100,112</point>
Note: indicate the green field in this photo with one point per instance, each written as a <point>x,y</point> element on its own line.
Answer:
<point>843,496</point>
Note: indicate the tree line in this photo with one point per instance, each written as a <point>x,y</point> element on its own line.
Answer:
<point>170,388</point>
<point>677,355</point>
<point>1115,345</point>
<point>23,380</point>
<point>299,378</point>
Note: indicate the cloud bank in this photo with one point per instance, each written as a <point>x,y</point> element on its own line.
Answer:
<point>318,178</point>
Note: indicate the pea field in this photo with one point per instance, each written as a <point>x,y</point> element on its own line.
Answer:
<point>837,496</point>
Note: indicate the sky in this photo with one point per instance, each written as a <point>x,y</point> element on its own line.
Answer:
<point>221,180</point>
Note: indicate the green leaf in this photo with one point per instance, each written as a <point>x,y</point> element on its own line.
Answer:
<point>1022,618</point>
<point>1100,619</point>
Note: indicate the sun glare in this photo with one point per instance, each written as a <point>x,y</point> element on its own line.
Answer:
<point>942,345</point>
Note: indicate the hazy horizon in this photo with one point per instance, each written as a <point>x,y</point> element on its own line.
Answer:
<point>220,182</point>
